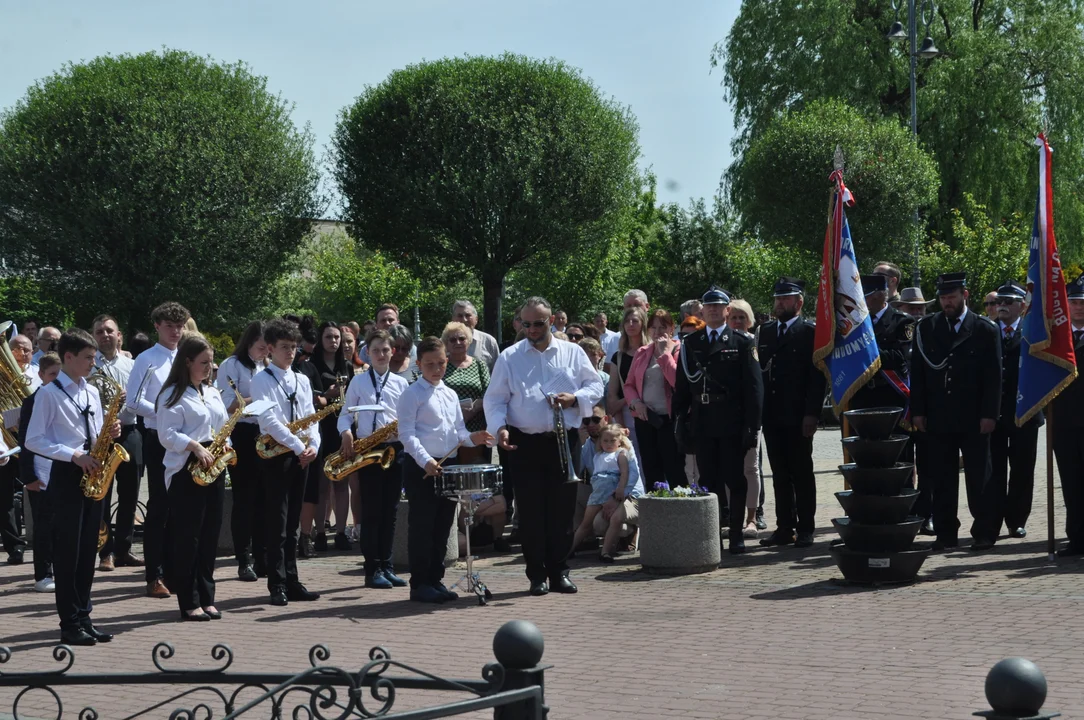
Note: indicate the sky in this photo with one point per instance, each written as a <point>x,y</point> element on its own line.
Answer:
<point>653,57</point>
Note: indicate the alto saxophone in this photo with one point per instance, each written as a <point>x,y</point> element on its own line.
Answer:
<point>110,455</point>
<point>268,447</point>
<point>336,467</point>
<point>224,455</point>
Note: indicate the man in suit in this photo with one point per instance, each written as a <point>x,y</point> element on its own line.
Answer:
<point>793,398</point>
<point>955,400</point>
<point>719,384</point>
<point>1012,449</point>
<point>1067,426</point>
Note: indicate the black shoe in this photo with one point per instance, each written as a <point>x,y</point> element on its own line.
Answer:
<point>319,543</point>
<point>197,616</point>
<point>540,588</point>
<point>392,577</point>
<point>605,557</point>
<point>927,528</point>
<point>15,558</point>
<point>378,581</point>
<point>502,545</point>
<point>102,637</point>
<point>246,573</point>
<point>77,636</point>
<point>341,541</point>
<point>760,522</point>
<point>1070,551</point>
<point>448,594</point>
<point>213,614</point>
<point>1018,533</point>
<point>737,548</point>
<point>427,594</point>
<point>278,597</point>
<point>981,544</point>
<point>945,544</point>
<point>299,593</point>
<point>564,585</point>
<point>804,540</point>
<point>779,537</point>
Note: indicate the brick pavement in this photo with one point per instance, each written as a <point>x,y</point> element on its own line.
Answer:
<point>769,635</point>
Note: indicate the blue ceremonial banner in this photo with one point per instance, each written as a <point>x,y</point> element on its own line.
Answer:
<point>844,347</point>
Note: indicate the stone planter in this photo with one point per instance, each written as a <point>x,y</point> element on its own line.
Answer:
<point>679,536</point>
<point>399,545</point>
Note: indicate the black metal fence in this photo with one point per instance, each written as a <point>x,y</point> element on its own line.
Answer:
<point>512,687</point>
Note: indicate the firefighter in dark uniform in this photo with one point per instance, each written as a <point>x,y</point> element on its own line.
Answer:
<point>1067,426</point>
<point>793,398</point>
<point>719,389</point>
<point>1012,449</point>
<point>955,400</point>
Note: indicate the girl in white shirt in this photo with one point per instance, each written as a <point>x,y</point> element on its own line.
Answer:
<point>190,413</point>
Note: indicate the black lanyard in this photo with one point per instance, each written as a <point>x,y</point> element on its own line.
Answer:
<point>292,397</point>
<point>379,389</point>
<point>86,412</point>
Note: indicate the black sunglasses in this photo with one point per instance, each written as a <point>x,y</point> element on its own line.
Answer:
<point>575,336</point>
<point>535,323</point>
<point>592,420</point>
<point>988,303</point>
<point>1004,301</point>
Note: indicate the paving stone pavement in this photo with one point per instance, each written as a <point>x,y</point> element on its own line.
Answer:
<point>771,634</point>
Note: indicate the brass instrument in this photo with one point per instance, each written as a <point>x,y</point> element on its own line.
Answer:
<point>337,467</point>
<point>563,448</point>
<point>223,454</point>
<point>14,385</point>
<point>268,447</point>
<point>110,454</point>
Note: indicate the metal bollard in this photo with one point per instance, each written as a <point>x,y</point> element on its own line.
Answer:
<point>1016,690</point>
<point>518,647</point>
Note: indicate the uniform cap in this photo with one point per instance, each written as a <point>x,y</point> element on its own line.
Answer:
<point>715,296</point>
<point>1012,290</point>
<point>874,283</point>
<point>948,282</point>
<point>786,286</point>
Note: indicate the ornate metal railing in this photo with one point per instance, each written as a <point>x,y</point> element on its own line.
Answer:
<point>512,686</point>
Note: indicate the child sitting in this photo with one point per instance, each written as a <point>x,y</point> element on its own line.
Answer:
<point>611,493</point>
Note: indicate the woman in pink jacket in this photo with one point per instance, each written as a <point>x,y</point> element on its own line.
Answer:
<point>648,388</point>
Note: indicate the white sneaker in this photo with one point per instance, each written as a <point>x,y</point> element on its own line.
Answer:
<point>45,585</point>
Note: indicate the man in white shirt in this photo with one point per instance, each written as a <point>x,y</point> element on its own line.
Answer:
<point>386,316</point>
<point>484,345</point>
<point>529,380</point>
<point>117,551</point>
<point>47,342</point>
<point>145,380</point>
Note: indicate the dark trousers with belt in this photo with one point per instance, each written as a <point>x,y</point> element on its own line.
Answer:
<point>791,456</point>
<point>126,481</point>
<point>154,524</point>
<point>247,515</point>
<point>380,492</point>
<point>429,519</point>
<point>195,518</point>
<point>547,502</point>
<point>662,462</point>
<point>284,487</point>
<point>41,509</point>
<point>944,468</point>
<point>1069,451</point>
<point>75,544</point>
<point>1012,473</point>
<point>13,543</point>
<point>721,462</point>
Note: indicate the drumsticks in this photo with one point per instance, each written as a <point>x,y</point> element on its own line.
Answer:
<point>453,451</point>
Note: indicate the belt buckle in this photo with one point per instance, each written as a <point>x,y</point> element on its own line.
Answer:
<point>705,399</point>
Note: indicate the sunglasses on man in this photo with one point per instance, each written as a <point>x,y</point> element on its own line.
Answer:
<point>592,420</point>
<point>574,337</point>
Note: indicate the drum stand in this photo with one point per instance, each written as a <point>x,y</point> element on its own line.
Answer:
<point>471,582</point>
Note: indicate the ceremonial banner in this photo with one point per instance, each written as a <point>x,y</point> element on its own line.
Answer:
<point>1047,358</point>
<point>844,347</point>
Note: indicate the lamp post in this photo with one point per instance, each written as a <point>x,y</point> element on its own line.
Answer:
<point>898,33</point>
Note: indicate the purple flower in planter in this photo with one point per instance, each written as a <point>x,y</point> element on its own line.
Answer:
<point>662,486</point>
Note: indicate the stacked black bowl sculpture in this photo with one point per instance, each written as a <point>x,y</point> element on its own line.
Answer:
<point>878,532</point>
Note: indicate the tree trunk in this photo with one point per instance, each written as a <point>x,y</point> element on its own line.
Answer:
<point>493,293</point>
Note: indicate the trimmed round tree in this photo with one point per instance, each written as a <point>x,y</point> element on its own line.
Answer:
<point>126,181</point>
<point>477,164</point>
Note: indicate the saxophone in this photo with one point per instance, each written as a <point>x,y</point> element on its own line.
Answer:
<point>336,467</point>
<point>219,448</point>
<point>110,454</point>
<point>268,447</point>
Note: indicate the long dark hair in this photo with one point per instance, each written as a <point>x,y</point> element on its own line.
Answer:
<point>341,366</point>
<point>253,332</point>
<point>192,344</point>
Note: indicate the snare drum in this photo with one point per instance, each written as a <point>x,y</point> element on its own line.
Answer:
<point>460,479</point>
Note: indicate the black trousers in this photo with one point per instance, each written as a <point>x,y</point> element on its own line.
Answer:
<point>662,462</point>
<point>284,487</point>
<point>154,524</point>
<point>380,492</point>
<point>126,481</point>
<point>430,519</point>
<point>41,509</point>
<point>944,468</point>
<point>1012,473</point>
<point>509,484</point>
<point>547,504</point>
<point>791,456</point>
<point>1069,452</point>
<point>75,548</point>
<point>721,462</point>
<point>923,506</point>
<point>195,518</point>
<point>13,542</point>
<point>247,516</point>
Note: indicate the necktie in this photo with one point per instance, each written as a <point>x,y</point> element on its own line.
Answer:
<point>714,336</point>
<point>782,330</point>
<point>1008,332</point>
<point>1077,334</point>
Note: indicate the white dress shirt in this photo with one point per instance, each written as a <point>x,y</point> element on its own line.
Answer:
<point>524,376</point>
<point>431,421</point>
<point>233,369</point>
<point>1015,326</point>
<point>196,416</point>
<point>57,428</point>
<point>277,385</point>
<point>119,369</point>
<point>959,321</point>
<point>484,347</point>
<point>610,340</point>
<point>877,317</point>
<point>141,396</point>
<point>370,388</point>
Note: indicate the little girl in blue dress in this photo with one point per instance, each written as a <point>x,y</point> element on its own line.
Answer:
<point>609,482</point>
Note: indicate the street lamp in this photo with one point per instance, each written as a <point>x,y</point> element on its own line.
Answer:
<point>899,33</point>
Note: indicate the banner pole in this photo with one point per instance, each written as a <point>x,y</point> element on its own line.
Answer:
<point>1050,482</point>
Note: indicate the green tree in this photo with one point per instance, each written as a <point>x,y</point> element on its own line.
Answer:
<point>22,298</point>
<point>781,186</point>
<point>1009,67</point>
<point>477,164</point>
<point>130,180</point>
